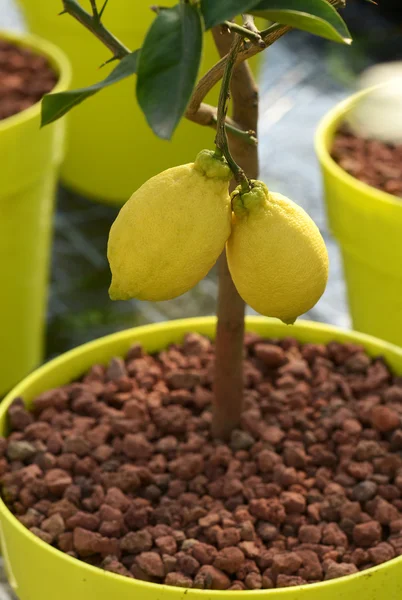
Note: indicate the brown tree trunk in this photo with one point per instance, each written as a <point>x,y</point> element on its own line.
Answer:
<point>228,382</point>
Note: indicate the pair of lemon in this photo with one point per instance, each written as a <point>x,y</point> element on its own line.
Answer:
<point>172,230</point>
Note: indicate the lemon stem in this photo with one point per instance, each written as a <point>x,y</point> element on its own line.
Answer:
<point>221,139</point>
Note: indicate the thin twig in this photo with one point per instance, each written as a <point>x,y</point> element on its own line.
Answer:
<point>248,23</point>
<point>73,8</point>
<point>221,139</point>
<point>253,36</point>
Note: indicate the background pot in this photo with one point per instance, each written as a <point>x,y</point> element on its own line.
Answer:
<point>46,573</point>
<point>111,150</point>
<point>29,162</point>
<point>367,223</point>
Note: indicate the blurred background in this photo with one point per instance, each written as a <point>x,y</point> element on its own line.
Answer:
<point>301,77</point>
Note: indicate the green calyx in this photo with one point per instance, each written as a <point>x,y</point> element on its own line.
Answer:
<point>244,203</point>
<point>212,166</point>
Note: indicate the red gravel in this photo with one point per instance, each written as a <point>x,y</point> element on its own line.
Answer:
<point>119,469</point>
<point>24,78</point>
<point>376,163</point>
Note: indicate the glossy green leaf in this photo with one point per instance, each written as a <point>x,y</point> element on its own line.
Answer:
<point>217,11</point>
<point>168,66</point>
<point>55,106</point>
<point>314,16</point>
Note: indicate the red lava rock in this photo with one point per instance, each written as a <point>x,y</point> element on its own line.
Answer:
<point>178,580</point>
<point>385,419</point>
<point>289,580</point>
<point>166,544</point>
<point>57,481</point>
<point>211,578</point>
<point>151,563</point>
<point>54,525</point>
<point>335,570</point>
<point>83,520</point>
<point>188,466</point>
<point>367,534</point>
<point>383,511</point>
<point>228,537</point>
<point>136,541</point>
<point>229,559</point>
<point>270,510</point>
<point>381,553</point>
<point>271,355</point>
<point>332,535</point>
<point>119,469</point>
<point>205,553</point>
<point>310,534</point>
<point>287,564</point>
<point>293,502</point>
<point>253,581</point>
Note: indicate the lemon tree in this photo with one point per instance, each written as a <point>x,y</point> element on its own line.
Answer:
<point>173,229</point>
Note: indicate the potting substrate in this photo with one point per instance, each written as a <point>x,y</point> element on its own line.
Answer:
<point>24,78</point>
<point>372,161</point>
<point>119,469</point>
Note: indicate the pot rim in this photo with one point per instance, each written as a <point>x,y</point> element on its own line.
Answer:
<point>57,59</point>
<point>325,332</point>
<point>331,120</point>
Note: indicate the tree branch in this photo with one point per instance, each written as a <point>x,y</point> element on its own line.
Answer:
<point>228,381</point>
<point>252,35</point>
<point>207,116</point>
<point>93,24</point>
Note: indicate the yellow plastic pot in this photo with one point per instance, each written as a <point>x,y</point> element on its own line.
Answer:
<point>367,223</point>
<point>37,571</point>
<point>29,162</point>
<point>112,150</point>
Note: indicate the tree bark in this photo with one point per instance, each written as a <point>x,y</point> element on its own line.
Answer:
<point>228,381</point>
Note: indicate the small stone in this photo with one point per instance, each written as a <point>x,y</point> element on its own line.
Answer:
<point>293,502</point>
<point>287,564</point>
<point>310,534</point>
<point>241,440</point>
<point>340,570</point>
<point>289,581</point>
<point>20,450</point>
<point>267,532</point>
<point>367,534</point>
<point>137,541</point>
<point>381,553</point>
<point>385,419</point>
<point>228,537</point>
<point>54,525</point>
<point>204,553</point>
<point>273,356</point>
<point>364,491</point>
<point>253,581</point>
<point>151,563</point>
<point>229,559</point>
<point>332,535</point>
<point>166,544</point>
<point>177,579</point>
<point>57,481</point>
<point>210,578</point>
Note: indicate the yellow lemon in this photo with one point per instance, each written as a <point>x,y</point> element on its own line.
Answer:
<point>171,231</point>
<point>276,255</point>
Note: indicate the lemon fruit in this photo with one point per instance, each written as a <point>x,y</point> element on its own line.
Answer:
<point>171,231</point>
<point>276,255</point>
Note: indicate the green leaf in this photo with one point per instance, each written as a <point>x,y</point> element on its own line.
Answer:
<point>217,11</point>
<point>314,16</point>
<point>168,66</point>
<point>55,106</point>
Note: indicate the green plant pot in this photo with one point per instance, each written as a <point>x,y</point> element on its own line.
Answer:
<point>111,149</point>
<point>367,223</point>
<point>30,158</point>
<point>37,571</point>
